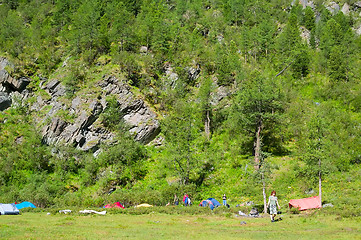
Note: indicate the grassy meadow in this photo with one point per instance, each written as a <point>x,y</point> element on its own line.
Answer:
<point>312,225</point>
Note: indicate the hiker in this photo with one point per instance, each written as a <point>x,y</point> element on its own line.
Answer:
<point>185,199</point>
<point>273,204</point>
<point>176,200</point>
<point>224,200</point>
<point>189,201</point>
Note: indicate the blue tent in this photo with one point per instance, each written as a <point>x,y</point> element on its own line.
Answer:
<point>211,202</point>
<point>205,203</point>
<point>24,205</point>
<point>214,201</point>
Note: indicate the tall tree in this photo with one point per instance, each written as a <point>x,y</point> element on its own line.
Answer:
<point>181,129</point>
<point>258,109</point>
<point>315,151</point>
<point>84,28</point>
<point>233,10</point>
<point>205,105</point>
<point>309,20</point>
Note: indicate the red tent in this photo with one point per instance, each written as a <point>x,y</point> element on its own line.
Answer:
<point>305,203</point>
<point>114,205</point>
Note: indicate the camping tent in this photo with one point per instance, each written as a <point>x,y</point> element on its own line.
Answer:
<point>114,205</point>
<point>8,209</point>
<point>24,205</point>
<point>205,203</point>
<point>305,203</point>
<point>215,202</point>
<point>211,202</point>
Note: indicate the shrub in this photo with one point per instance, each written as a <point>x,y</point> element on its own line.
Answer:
<point>294,211</point>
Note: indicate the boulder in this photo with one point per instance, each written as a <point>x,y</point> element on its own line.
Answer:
<point>170,74</point>
<point>193,72</point>
<point>357,4</point>
<point>304,3</point>
<point>5,101</point>
<point>305,34</point>
<point>143,49</point>
<point>346,9</point>
<point>333,7</point>
<point>9,83</point>
<point>55,88</point>
<point>358,31</point>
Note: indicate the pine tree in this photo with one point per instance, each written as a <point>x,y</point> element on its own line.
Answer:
<point>181,130</point>
<point>84,33</point>
<point>205,105</point>
<point>315,150</point>
<point>309,20</point>
<point>336,64</point>
<point>258,109</point>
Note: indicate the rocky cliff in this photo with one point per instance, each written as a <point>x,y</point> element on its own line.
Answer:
<point>77,121</point>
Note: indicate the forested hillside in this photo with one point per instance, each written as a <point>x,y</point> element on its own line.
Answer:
<point>235,96</point>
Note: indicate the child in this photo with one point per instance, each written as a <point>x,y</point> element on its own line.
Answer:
<point>273,204</point>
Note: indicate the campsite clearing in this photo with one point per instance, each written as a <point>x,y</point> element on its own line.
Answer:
<point>30,225</point>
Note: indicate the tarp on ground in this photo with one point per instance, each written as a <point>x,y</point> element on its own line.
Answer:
<point>305,203</point>
<point>24,205</point>
<point>8,209</point>
<point>114,205</point>
<point>144,205</point>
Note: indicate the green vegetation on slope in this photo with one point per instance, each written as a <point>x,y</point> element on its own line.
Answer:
<point>277,90</point>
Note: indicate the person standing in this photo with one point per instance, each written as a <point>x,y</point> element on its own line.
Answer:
<point>224,198</point>
<point>273,204</point>
<point>185,199</point>
<point>176,200</point>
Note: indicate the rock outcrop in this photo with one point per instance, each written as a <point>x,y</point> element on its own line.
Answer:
<point>5,101</point>
<point>84,128</point>
<point>77,123</point>
<point>7,82</point>
<point>333,7</point>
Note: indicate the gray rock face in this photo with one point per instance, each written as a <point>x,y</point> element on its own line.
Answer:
<point>305,34</point>
<point>85,131</point>
<point>5,101</point>
<point>141,119</point>
<point>333,7</point>
<point>8,83</point>
<point>303,3</point>
<point>358,31</point>
<point>79,124</point>
<point>346,9</point>
<point>357,4</point>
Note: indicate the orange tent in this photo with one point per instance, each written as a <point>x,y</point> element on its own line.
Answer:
<point>305,203</point>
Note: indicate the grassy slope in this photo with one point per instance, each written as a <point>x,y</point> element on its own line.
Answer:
<point>161,226</point>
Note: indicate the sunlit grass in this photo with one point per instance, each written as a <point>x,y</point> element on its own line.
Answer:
<point>165,226</point>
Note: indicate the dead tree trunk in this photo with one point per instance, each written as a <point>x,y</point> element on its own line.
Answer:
<point>207,125</point>
<point>264,194</point>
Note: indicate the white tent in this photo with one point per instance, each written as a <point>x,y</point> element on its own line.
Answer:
<point>8,209</point>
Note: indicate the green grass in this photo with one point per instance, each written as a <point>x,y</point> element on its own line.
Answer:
<point>39,225</point>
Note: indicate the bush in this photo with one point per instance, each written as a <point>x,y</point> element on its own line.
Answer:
<point>294,211</point>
